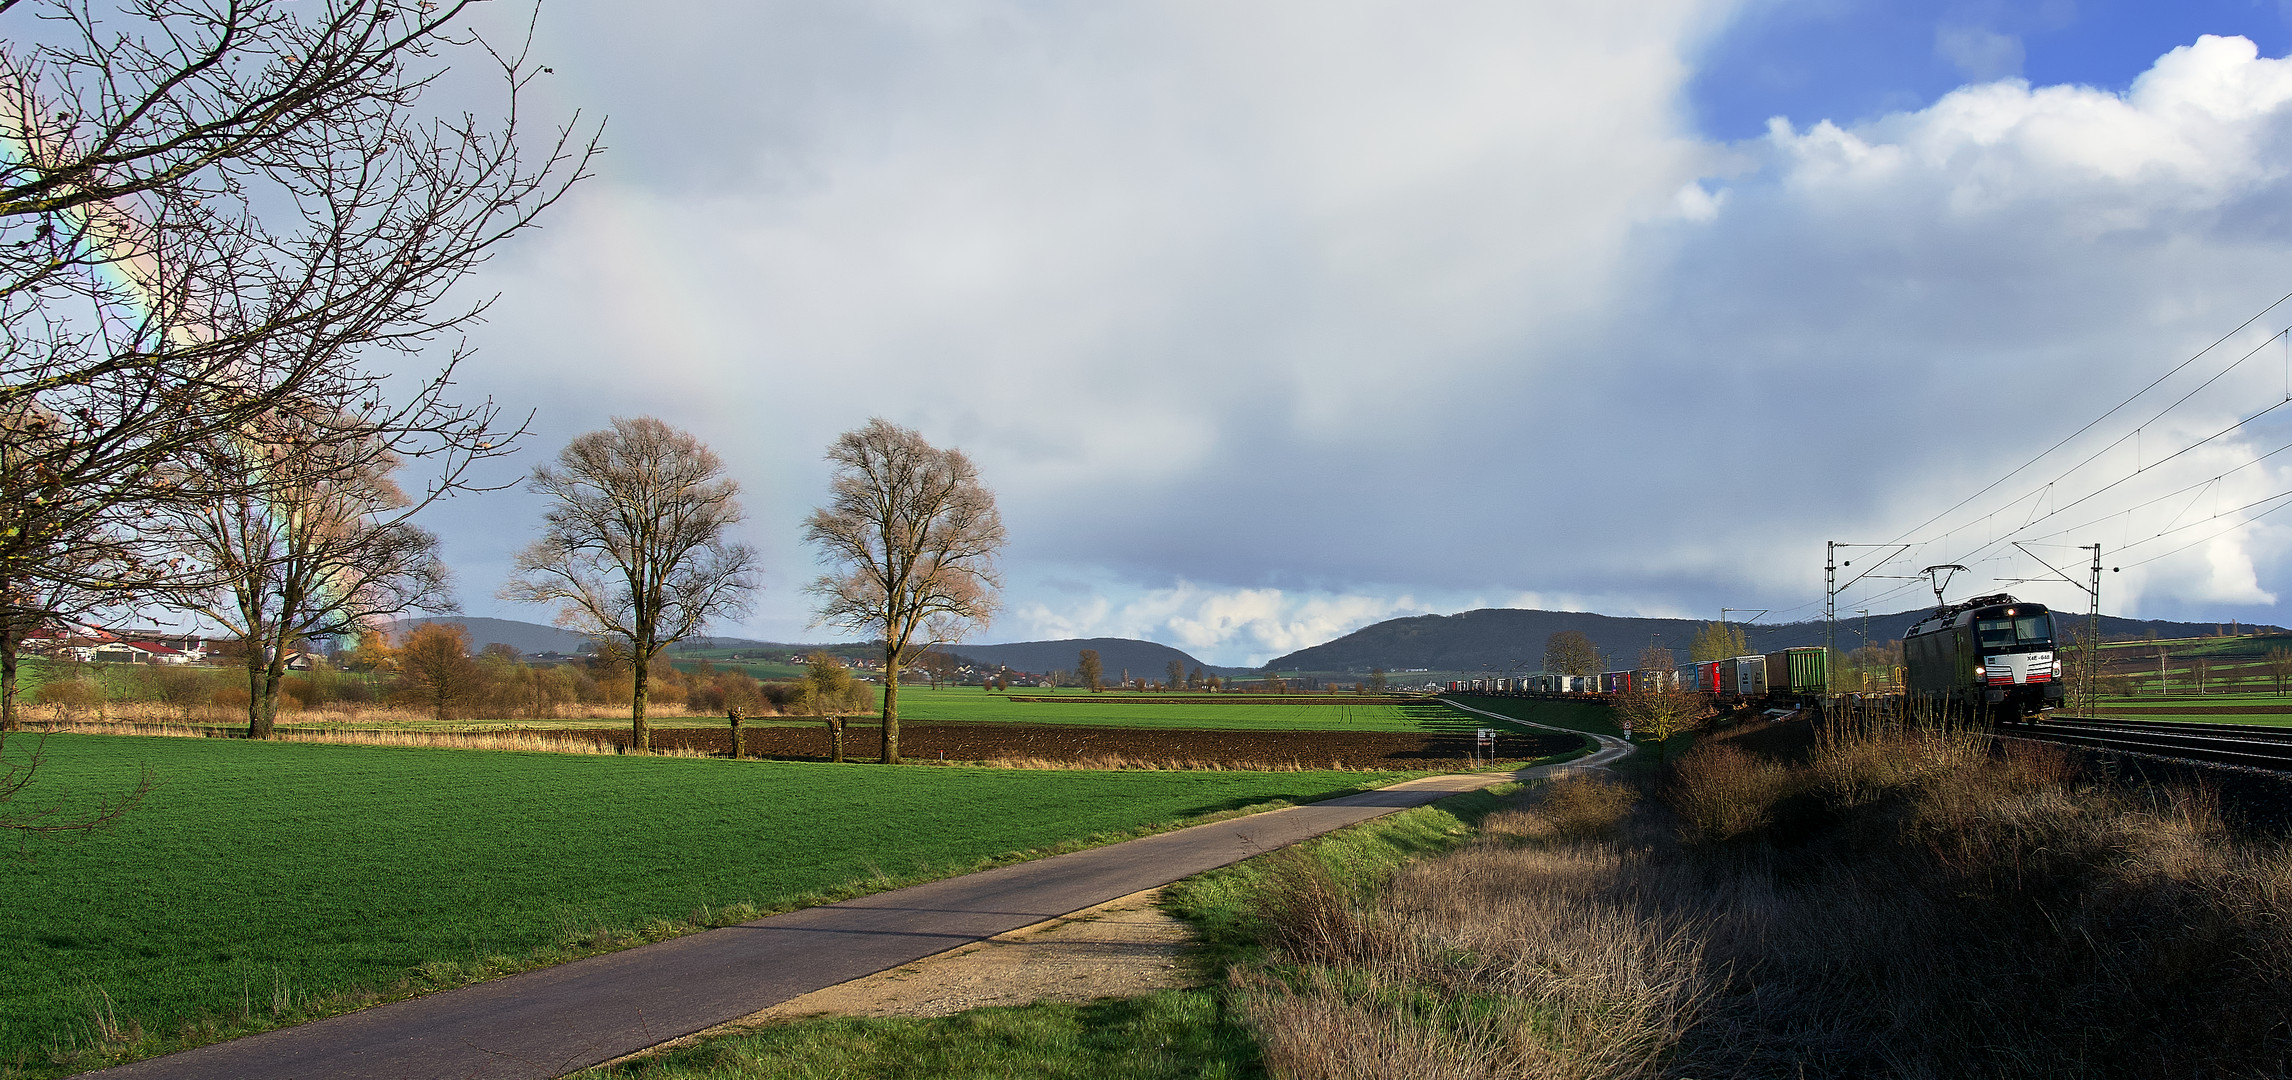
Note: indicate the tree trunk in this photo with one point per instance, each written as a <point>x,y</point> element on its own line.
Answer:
<point>835,738</point>
<point>891,660</point>
<point>256,728</point>
<point>640,733</point>
<point>266,704</point>
<point>733,714</point>
<point>8,720</point>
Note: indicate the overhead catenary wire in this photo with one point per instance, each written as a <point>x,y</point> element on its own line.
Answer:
<point>2096,421</point>
<point>2037,496</point>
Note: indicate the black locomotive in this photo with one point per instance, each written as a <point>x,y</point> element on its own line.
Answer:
<point>1990,652</point>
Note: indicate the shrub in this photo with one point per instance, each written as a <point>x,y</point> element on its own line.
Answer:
<point>71,698</point>
<point>1722,792</point>
<point>1578,806</point>
<point>1583,806</point>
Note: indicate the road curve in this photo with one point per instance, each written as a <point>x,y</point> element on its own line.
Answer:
<point>556,1020</point>
<point>1611,748</point>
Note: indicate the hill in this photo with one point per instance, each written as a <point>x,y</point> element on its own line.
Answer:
<point>525,637</point>
<point>1512,639</point>
<point>1144,659</point>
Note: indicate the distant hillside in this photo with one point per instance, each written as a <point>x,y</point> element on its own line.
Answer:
<point>1501,639</point>
<point>1143,659</point>
<point>525,637</point>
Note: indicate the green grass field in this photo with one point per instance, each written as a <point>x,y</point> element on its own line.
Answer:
<point>262,883</point>
<point>973,705</point>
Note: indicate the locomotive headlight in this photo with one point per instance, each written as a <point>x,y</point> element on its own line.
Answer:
<point>2057,668</point>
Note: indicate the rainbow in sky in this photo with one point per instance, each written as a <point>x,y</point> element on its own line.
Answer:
<point>123,257</point>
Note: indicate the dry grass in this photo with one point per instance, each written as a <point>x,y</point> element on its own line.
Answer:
<point>1117,762</point>
<point>1579,806</point>
<point>1887,903</point>
<point>1492,962</point>
<point>508,739</point>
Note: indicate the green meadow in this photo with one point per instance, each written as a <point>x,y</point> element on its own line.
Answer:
<point>265,883</point>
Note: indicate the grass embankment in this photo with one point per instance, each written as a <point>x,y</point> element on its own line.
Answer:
<point>1167,1035</point>
<point>1890,903</point>
<point>265,883</point>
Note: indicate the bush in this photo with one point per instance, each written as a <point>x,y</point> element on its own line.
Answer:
<point>71,698</point>
<point>1584,806</point>
<point>1721,792</point>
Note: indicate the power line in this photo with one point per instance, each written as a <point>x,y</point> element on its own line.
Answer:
<point>2090,425</point>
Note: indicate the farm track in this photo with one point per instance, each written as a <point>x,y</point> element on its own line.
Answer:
<point>2251,746</point>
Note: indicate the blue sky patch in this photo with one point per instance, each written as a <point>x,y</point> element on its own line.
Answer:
<point>1853,60</point>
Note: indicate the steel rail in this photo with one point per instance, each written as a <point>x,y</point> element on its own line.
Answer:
<point>2248,745</point>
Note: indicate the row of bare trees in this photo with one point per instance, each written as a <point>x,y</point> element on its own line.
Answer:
<point>635,547</point>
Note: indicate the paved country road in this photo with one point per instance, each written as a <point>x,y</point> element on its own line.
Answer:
<point>556,1020</point>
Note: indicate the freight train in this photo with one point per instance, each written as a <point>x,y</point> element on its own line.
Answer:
<point>1787,675</point>
<point>1990,653</point>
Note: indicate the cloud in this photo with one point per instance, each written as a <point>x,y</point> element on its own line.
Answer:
<point>1243,627</point>
<point>1979,53</point>
<point>1268,321</point>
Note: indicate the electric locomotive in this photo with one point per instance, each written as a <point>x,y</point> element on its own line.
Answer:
<point>1990,651</point>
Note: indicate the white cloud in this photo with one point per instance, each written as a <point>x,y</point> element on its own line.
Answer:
<point>1979,53</point>
<point>1243,627</point>
<point>1326,311</point>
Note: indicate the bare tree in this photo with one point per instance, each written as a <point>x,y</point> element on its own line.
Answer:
<point>1089,670</point>
<point>939,667</point>
<point>1176,672</point>
<point>1569,652</point>
<point>2279,666</point>
<point>435,661</point>
<point>211,210</point>
<point>324,549</point>
<point>912,533</point>
<point>1657,706</point>
<point>635,544</point>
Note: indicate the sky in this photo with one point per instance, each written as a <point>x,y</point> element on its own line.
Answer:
<point>1269,321</point>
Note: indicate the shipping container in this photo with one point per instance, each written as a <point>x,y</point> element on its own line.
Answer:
<point>1798,672</point>
<point>1743,677</point>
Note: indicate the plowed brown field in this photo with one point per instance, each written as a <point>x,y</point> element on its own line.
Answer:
<point>1081,744</point>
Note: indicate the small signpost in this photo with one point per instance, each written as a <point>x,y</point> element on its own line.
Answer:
<point>1485,739</point>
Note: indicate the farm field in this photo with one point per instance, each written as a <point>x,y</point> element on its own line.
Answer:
<point>262,883</point>
<point>1109,747</point>
<point>1233,712</point>
<point>2266,708</point>
<point>1587,716</point>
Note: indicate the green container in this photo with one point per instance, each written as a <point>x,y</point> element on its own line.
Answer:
<point>1797,671</point>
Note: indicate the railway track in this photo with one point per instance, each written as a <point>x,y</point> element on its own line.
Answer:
<point>2251,746</point>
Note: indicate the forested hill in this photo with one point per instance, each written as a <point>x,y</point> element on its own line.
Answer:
<point>1143,659</point>
<point>1502,639</point>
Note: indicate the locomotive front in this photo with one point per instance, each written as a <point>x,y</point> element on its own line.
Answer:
<point>1991,651</point>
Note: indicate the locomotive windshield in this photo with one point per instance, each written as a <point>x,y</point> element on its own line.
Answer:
<point>2010,630</point>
